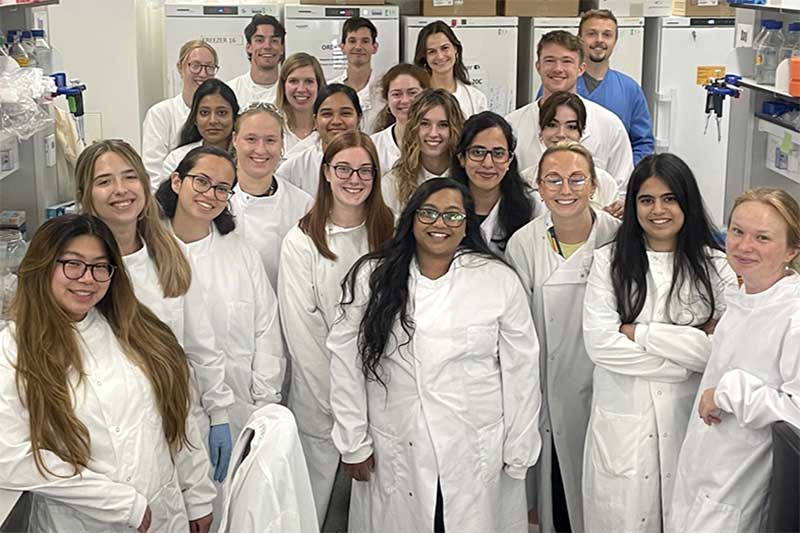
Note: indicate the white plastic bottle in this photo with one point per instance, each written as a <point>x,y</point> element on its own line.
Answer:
<point>767,49</point>
<point>42,51</point>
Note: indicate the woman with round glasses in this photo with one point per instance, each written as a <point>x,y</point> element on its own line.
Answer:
<point>434,377</point>
<point>111,184</point>
<point>197,62</point>
<point>95,395</point>
<point>553,256</point>
<point>348,220</point>
<point>210,123</point>
<point>653,297</point>
<point>300,80</point>
<point>485,163</point>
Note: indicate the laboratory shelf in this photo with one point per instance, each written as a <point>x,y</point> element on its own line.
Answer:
<point>777,122</point>
<point>769,8</point>
<point>750,83</point>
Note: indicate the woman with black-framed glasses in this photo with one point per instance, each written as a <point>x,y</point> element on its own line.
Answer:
<point>434,377</point>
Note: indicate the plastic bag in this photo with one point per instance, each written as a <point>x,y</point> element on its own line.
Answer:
<point>21,91</point>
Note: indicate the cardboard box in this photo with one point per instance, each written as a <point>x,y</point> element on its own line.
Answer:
<point>630,8</point>
<point>702,8</point>
<point>342,2</point>
<point>459,8</point>
<point>538,8</point>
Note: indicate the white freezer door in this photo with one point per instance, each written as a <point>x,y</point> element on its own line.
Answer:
<point>680,109</point>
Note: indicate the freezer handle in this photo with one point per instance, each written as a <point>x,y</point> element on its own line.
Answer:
<point>666,119</point>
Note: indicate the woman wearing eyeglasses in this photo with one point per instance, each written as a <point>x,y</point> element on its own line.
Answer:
<point>197,62</point>
<point>553,256</point>
<point>485,163</point>
<point>111,184</point>
<point>210,123</point>
<point>434,377</point>
<point>95,394</point>
<point>348,220</point>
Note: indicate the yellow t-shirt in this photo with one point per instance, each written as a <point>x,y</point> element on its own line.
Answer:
<point>568,249</point>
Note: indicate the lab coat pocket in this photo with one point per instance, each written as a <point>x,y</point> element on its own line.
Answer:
<point>387,453</point>
<point>481,351</point>
<point>240,340</point>
<point>490,443</point>
<point>616,442</point>
<point>714,516</point>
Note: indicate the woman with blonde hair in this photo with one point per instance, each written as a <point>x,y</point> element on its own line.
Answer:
<point>348,220</point>
<point>95,395</point>
<point>300,80</point>
<point>113,186</point>
<point>161,130</point>
<point>429,144</point>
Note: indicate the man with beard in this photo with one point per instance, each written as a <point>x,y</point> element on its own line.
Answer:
<point>611,88</point>
<point>266,39</point>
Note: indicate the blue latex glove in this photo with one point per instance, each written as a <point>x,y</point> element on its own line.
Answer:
<point>220,447</point>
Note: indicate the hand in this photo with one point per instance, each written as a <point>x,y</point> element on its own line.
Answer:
<point>219,447</point>
<point>615,209</point>
<point>710,326</point>
<point>629,330</point>
<point>201,525</point>
<point>145,525</point>
<point>708,409</point>
<point>360,471</point>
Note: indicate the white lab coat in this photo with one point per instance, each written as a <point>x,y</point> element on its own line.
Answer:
<point>389,187</point>
<point>263,221</point>
<point>244,313</point>
<point>471,100</point>
<point>268,490</point>
<point>643,391</point>
<point>130,465</point>
<point>490,227</point>
<point>724,470</point>
<point>370,99</point>
<point>174,159</point>
<point>301,168</point>
<point>604,136</point>
<point>606,192</point>
<point>309,290</point>
<point>161,133</point>
<point>248,92</point>
<point>293,144</point>
<point>187,316</point>
<point>461,404</point>
<point>556,288</point>
<point>386,146</point>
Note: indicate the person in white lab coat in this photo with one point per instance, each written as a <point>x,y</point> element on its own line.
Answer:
<point>399,86</point>
<point>265,207</point>
<point>266,44</point>
<point>95,394</point>
<point>429,144</point>
<point>269,490</point>
<point>652,298</point>
<point>336,110</point>
<point>111,183</point>
<point>559,62</point>
<point>485,164</point>
<point>434,377</point>
<point>300,80</point>
<point>210,123</point>
<point>440,52</point>
<point>752,378</point>
<point>359,44</point>
<point>161,129</point>
<point>553,257</point>
<point>348,220</point>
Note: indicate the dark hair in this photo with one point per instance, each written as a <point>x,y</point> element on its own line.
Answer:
<point>329,90</point>
<point>562,38</point>
<point>516,208</point>
<point>388,281</point>
<point>264,20</point>
<point>629,263</point>
<point>420,59</point>
<point>189,131</point>
<point>168,198</point>
<point>385,117</point>
<point>603,14</point>
<point>356,23</point>
<point>549,109</point>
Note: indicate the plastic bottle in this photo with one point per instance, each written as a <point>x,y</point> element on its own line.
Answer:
<point>3,49</point>
<point>42,51</point>
<point>792,39</point>
<point>16,51</point>
<point>13,250</point>
<point>767,50</point>
<point>26,40</point>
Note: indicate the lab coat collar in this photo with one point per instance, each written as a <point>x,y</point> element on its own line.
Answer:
<point>786,288</point>
<point>249,199</point>
<point>333,229</point>
<point>138,258</point>
<point>425,175</point>
<point>88,321</point>
<point>204,245</point>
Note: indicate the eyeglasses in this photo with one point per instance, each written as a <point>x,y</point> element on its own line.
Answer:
<point>259,105</point>
<point>74,269</point>
<point>451,219</point>
<point>499,155</point>
<point>344,172</point>
<point>195,68</point>
<point>202,184</point>
<point>554,182</point>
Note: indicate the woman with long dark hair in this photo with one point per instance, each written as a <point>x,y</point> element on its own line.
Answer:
<point>434,377</point>
<point>653,297</point>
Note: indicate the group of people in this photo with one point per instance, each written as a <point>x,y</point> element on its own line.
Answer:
<point>483,320</point>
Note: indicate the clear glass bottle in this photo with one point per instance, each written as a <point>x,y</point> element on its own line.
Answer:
<point>12,250</point>
<point>26,40</point>
<point>42,51</point>
<point>767,49</point>
<point>16,51</point>
<point>792,39</point>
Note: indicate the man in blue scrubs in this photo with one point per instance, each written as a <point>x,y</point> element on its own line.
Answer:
<point>611,88</point>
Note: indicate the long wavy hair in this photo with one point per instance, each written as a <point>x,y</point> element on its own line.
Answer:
<point>692,260</point>
<point>408,166</point>
<point>168,198</point>
<point>388,281</point>
<point>786,207</point>
<point>292,63</point>
<point>379,219</point>
<point>49,348</point>
<point>174,272</point>
<point>189,132</point>
<point>516,206</point>
<point>420,55</point>
<point>385,118</point>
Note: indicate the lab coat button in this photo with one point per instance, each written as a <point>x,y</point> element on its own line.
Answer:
<point>128,478</point>
<point>117,430</point>
<point>411,494</point>
<point>658,393</point>
<point>669,475</point>
<point>665,435</point>
<point>411,444</point>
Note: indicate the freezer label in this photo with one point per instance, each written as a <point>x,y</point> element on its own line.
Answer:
<point>443,3</point>
<point>237,40</point>
<point>705,72</point>
<point>707,3</point>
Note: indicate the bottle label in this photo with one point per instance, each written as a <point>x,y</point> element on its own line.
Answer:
<point>759,59</point>
<point>21,61</point>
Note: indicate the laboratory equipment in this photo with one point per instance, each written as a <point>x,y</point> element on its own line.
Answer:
<point>42,51</point>
<point>74,93</point>
<point>767,46</point>
<point>716,90</point>
<point>17,51</point>
<point>12,250</point>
